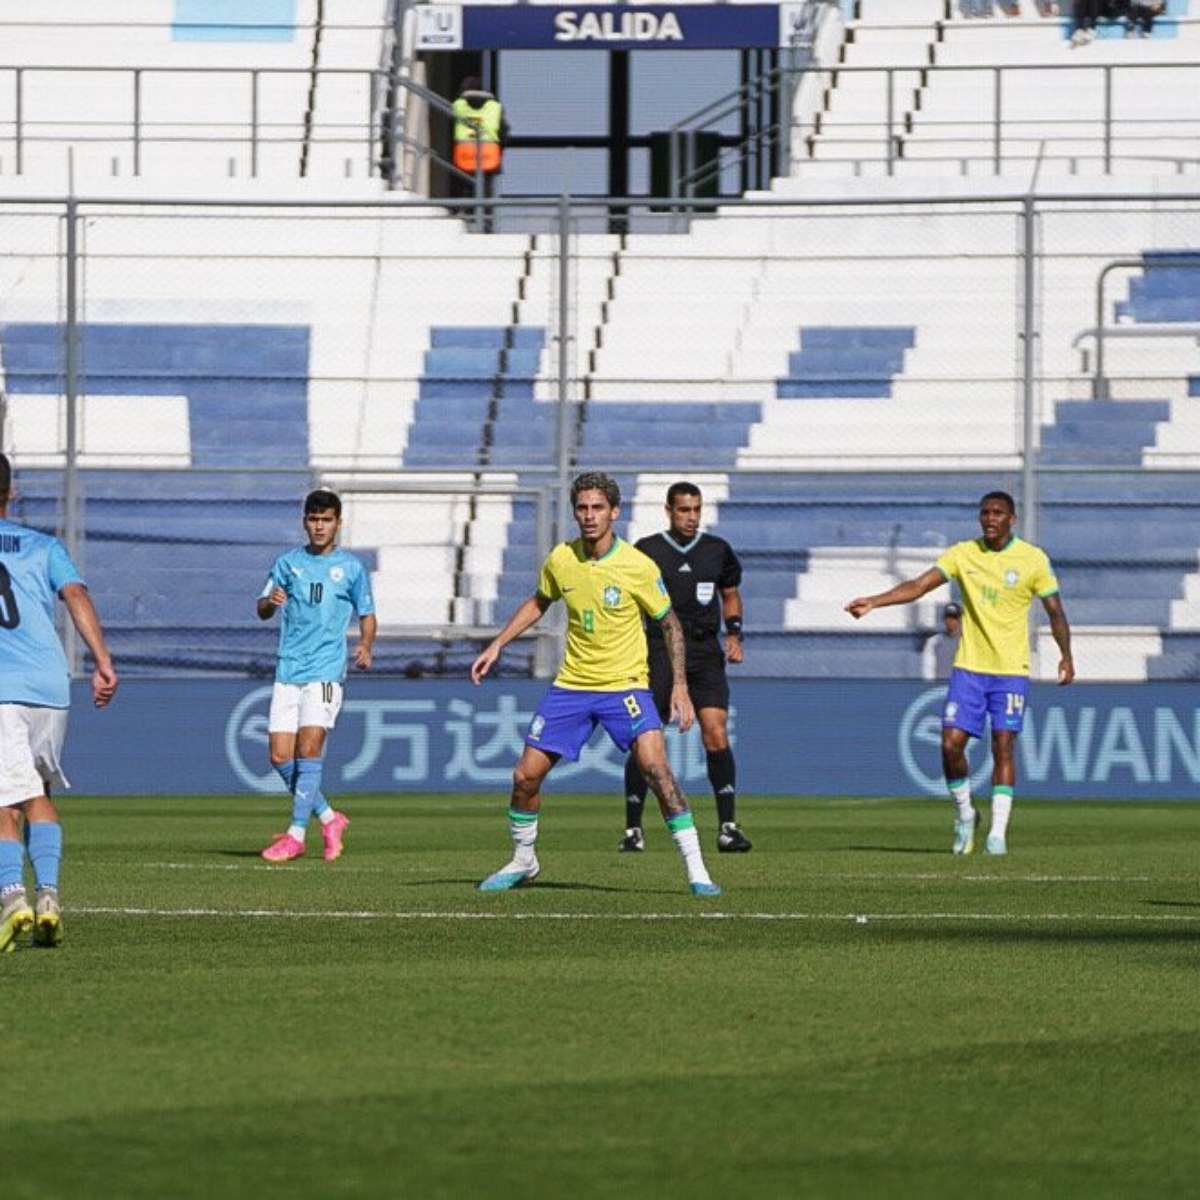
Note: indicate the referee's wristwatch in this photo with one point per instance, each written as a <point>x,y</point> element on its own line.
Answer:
<point>733,628</point>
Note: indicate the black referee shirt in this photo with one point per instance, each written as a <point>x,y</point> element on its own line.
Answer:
<point>694,574</point>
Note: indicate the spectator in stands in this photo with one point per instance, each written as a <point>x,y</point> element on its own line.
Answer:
<point>479,134</point>
<point>1086,13</point>
<point>1139,20</point>
<point>937,655</point>
<point>34,697</point>
<point>976,8</point>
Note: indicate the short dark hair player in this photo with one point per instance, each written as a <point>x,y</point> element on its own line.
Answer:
<point>702,574</point>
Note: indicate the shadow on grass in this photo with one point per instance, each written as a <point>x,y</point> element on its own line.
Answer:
<point>239,853</point>
<point>473,883</point>
<point>940,851</point>
<point>1111,935</point>
<point>1174,903</point>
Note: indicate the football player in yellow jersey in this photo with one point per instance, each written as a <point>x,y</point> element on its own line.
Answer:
<point>999,576</point>
<point>606,585</point>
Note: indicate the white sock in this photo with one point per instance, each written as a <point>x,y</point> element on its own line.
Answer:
<point>960,793</point>
<point>327,816</point>
<point>687,841</point>
<point>1002,802</point>
<point>298,832</point>
<point>523,827</point>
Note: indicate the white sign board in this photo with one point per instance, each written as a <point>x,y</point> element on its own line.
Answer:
<point>439,27</point>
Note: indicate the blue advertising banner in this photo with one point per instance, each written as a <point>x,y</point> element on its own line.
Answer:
<point>603,26</point>
<point>812,738</point>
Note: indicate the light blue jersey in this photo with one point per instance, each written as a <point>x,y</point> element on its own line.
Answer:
<point>34,568</point>
<point>323,592</point>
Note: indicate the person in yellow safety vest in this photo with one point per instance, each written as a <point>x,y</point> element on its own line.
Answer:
<point>478,129</point>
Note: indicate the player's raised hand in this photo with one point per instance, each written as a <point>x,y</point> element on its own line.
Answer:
<point>681,708</point>
<point>104,684</point>
<point>484,663</point>
<point>860,607</point>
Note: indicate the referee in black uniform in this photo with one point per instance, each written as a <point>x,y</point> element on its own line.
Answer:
<point>702,575</point>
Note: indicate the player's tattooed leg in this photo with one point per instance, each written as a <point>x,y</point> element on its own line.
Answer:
<point>663,783</point>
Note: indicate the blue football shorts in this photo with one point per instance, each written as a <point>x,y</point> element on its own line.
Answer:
<point>565,719</point>
<point>972,696</point>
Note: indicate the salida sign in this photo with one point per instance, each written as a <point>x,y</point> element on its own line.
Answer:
<point>603,26</point>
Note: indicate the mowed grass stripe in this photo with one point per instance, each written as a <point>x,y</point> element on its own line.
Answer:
<point>859,1014</point>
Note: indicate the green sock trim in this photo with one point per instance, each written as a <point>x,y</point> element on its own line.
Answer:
<point>681,822</point>
<point>951,784</point>
<point>1002,790</point>
<point>521,818</point>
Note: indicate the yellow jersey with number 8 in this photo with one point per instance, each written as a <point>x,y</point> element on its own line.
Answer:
<point>998,586</point>
<point>605,599</point>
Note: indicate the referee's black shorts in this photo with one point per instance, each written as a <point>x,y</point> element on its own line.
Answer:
<point>706,679</point>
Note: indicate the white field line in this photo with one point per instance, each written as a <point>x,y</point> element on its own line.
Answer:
<point>865,877</point>
<point>275,869</point>
<point>953,875</point>
<point>451,915</point>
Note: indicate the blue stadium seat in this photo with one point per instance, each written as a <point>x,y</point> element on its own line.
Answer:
<point>845,361</point>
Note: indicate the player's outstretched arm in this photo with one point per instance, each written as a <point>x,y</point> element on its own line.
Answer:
<point>682,710</point>
<point>266,605</point>
<point>368,626</point>
<point>1061,632</point>
<point>902,593</point>
<point>527,615</point>
<point>87,622</point>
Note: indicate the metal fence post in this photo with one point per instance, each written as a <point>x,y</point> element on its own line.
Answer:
<point>478,180</point>
<point>137,121</point>
<point>1029,476</point>
<point>562,429</point>
<point>254,124</point>
<point>1029,481</point>
<point>997,121</point>
<point>71,371</point>
<point>891,118</point>
<point>1108,120</point>
<point>18,119</point>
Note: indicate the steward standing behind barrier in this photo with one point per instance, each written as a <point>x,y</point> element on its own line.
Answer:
<point>479,130</point>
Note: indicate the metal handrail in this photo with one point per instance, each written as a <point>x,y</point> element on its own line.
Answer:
<point>892,135</point>
<point>735,101</point>
<point>254,137</point>
<point>1100,389</point>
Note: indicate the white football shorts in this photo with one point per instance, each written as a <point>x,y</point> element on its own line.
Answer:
<point>31,742</point>
<point>294,705</point>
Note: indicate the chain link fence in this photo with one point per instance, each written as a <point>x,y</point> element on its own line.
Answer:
<point>844,380</point>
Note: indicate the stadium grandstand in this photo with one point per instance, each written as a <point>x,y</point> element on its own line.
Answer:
<point>919,249</point>
<point>849,266</point>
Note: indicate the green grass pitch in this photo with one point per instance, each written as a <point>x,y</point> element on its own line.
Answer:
<point>859,1014</point>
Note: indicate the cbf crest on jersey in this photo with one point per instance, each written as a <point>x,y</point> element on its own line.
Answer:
<point>612,596</point>
<point>1011,577</point>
